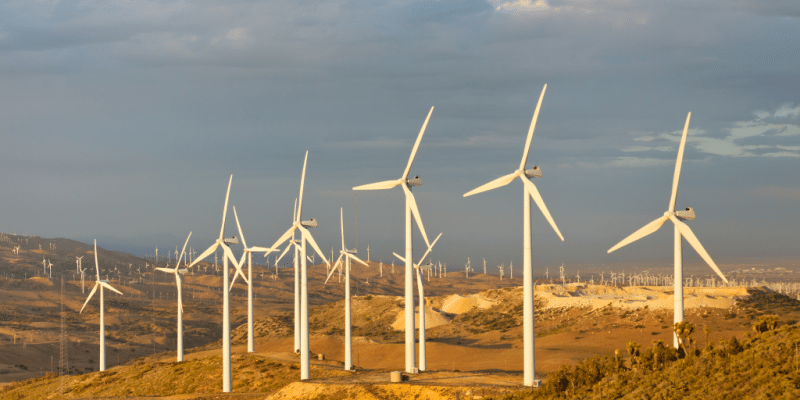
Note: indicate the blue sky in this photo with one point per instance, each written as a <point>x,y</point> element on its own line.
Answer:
<point>123,121</point>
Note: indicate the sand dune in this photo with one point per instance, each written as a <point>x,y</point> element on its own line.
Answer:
<point>634,297</point>
<point>433,318</point>
<point>458,304</point>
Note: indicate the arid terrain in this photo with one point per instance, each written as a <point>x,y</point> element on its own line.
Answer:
<point>473,327</point>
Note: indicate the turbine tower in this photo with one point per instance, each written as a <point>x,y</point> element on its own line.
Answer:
<point>348,255</point>
<point>226,317</point>
<point>248,252</point>
<point>529,191</point>
<point>681,230</point>
<point>101,284</point>
<point>411,208</point>
<point>293,243</point>
<point>423,358</point>
<point>299,224</point>
<point>178,272</point>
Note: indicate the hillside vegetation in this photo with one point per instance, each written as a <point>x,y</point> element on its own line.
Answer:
<point>763,365</point>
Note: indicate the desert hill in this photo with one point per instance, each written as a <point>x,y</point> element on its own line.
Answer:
<point>474,325</point>
<point>760,363</point>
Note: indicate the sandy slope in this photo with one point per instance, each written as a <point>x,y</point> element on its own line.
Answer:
<point>634,297</point>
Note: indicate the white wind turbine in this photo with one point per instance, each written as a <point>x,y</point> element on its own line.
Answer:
<point>529,191</point>
<point>226,317</point>
<point>248,252</point>
<point>299,224</point>
<point>681,230</point>
<point>423,358</point>
<point>411,208</point>
<point>101,284</point>
<point>178,282</point>
<point>78,263</point>
<point>348,255</point>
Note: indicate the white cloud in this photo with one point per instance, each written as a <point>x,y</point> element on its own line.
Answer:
<point>787,111</point>
<point>753,138</point>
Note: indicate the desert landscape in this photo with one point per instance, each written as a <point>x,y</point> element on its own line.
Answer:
<point>474,332</point>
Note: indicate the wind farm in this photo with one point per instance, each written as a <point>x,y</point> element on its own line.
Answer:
<point>287,336</point>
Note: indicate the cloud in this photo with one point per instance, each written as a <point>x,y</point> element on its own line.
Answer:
<point>758,137</point>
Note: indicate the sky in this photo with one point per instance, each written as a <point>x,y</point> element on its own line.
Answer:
<point>123,120</point>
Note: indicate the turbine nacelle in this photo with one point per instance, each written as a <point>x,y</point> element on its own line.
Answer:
<point>536,172</point>
<point>687,214</point>
<point>230,241</point>
<point>415,181</point>
<point>309,224</point>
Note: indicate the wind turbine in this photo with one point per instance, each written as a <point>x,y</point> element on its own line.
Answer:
<point>178,281</point>
<point>348,255</point>
<point>226,317</point>
<point>299,224</point>
<point>78,262</point>
<point>101,284</point>
<point>529,191</point>
<point>411,208</point>
<point>423,365</point>
<point>681,230</point>
<point>248,252</point>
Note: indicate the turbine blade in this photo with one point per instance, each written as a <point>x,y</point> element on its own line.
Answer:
<point>530,130</point>
<point>225,210</point>
<point>286,235</point>
<point>398,256</point>
<point>233,281</point>
<point>238,225</point>
<point>294,213</point>
<point>678,162</point>
<point>341,215</point>
<point>421,260</point>
<point>419,287</point>
<point>379,185</point>
<point>265,250</point>
<point>642,232</point>
<point>109,287</point>
<point>165,270</point>
<point>539,202</point>
<point>238,273</point>
<point>183,251</point>
<point>94,289</point>
<point>415,211</point>
<point>416,145</point>
<point>352,257</point>
<point>283,254</point>
<point>692,239</point>
<point>501,181</point>
<point>307,235</point>
<point>335,265</point>
<point>228,253</point>
<point>302,183</point>
<point>96,265</point>
<point>204,254</point>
